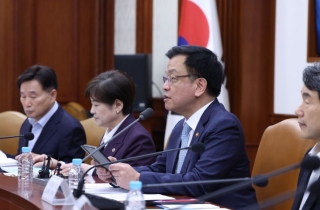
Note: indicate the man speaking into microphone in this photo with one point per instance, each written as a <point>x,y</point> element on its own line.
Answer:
<point>191,86</point>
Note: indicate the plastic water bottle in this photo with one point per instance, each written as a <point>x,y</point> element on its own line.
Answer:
<point>135,200</point>
<point>25,173</point>
<point>25,166</point>
<point>75,173</point>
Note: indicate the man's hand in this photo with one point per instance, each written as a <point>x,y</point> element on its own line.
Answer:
<point>33,155</point>
<point>38,160</point>
<point>124,174</point>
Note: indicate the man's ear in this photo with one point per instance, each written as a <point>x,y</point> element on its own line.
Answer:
<point>201,86</point>
<point>53,94</point>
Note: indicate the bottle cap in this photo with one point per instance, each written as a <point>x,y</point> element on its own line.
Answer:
<point>135,185</point>
<point>25,149</point>
<point>76,161</point>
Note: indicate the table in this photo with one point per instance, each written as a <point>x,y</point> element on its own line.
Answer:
<point>12,199</point>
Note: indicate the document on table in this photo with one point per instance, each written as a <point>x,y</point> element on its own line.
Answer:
<point>105,190</point>
<point>13,170</point>
<point>4,161</point>
<point>191,206</point>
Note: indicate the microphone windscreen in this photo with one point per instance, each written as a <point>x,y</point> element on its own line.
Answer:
<point>146,113</point>
<point>310,163</point>
<point>28,136</point>
<point>198,147</point>
<point>260,180</point>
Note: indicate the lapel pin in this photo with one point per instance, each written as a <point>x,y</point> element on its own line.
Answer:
<point>197,134</point>
<point>113,149</point>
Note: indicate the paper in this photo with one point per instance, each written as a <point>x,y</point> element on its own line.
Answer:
<point>13,170</point>
<point>105,190</point>
<point>102,188</point>
<point>4,161</point>
<point>123,196</point>
<point>191,206</point>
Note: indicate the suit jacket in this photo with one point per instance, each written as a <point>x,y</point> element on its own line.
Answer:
<point>133,142</point>
<point>224,158</point>
<point>313,202</point>
<point>61,137</point>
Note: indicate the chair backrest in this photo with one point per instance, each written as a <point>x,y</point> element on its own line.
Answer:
<point>94,133</point>
<point>281,145</point>
<point>10,123</point>
<point>76,110</point>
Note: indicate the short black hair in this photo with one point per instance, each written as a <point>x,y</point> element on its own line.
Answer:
<point>111,85</point>
<point>311,77</point>
<point>203,63</point>
<point>45,75</point>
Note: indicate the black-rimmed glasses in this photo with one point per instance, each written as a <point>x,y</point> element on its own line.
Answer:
<point>172,80</point>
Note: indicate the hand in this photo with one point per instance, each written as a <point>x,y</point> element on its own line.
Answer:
<point>124,173</point>
<point>102,173</point>
<point>32,154</point>
<point>38,161</point>
<point>65,169</point>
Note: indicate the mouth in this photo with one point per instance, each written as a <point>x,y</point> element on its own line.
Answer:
<point>301,124</point>
<point>165,98</point>
<point>28,112</point>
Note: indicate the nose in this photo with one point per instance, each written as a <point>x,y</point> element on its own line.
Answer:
<point>26,102</point>
<point>92,110</point>
<point>299,111</point>
<point>166,85</point>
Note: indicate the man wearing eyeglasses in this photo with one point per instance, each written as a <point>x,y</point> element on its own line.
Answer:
<point>191,87</point>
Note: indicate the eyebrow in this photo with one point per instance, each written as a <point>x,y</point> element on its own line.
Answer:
<point>170,71</point>
<point>306,95</point>
<point>29,92</point>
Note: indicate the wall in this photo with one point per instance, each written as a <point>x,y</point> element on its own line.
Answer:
<point>290,54</point>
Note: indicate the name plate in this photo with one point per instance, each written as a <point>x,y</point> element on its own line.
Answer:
<point>51,189</point>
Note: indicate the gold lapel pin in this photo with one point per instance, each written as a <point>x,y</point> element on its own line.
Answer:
<point>197,134</point>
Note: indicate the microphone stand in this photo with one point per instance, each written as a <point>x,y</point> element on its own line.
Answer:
<point>259,180</point>
<point>199,182</point>
<point>314,189</point>
<point>309,163</point>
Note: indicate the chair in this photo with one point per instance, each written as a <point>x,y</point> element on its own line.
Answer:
<point>76,110</point>
<point>11,122</point>
<point>93,132</point>
<point>281,145</point>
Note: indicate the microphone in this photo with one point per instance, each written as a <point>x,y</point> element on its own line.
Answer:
<point>197,148</point>
<point>314,190</point>
<point>27,136</point>
<point>143,115</point>
<point>309,163</point>
<point>199,182</point>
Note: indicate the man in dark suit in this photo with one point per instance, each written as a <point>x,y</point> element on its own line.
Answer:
<point>309,120</point>
<point>56,133</point>
<point>192,85</point>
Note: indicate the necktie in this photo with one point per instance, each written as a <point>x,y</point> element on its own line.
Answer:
<point>184,142</point>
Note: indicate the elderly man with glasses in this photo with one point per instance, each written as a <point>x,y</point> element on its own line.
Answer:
<point>192,84</point>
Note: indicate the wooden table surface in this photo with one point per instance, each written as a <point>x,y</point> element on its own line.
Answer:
<point>12,197</point>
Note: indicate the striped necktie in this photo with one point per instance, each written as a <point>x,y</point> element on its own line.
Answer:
<point>184,143</point>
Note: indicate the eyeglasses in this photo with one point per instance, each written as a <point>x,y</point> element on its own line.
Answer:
<point>172,80</point>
